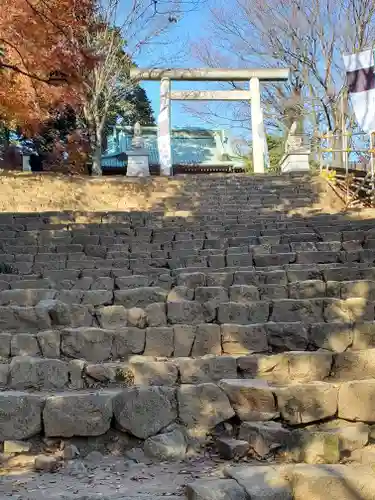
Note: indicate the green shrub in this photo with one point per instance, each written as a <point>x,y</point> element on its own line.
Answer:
<point>6,268</point>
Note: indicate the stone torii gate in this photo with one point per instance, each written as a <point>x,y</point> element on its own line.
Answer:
<point>165,76</point>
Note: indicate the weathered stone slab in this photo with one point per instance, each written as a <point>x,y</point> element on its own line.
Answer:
<point>206,369</point>
<point>38,373</point>
<point>127,341</point>
<point>262,483</point>
<point>356,401</point>
<point>112,317</point>
<point>140,297</point>
<point>207,340</point>
<point>203,406</point>
<point>292,336</point>
<point>49,343</point>
<point>304,403</point>
<point>146,371</point>
<point>92,344</point>
<point>215,489</point>
<point>23,344</point>
<point>249,397</point>
<point>264,437</point>
<point>184,336</point>
<point>244,339</point>
<point>20,415</point>
<point>159,341</point>
<point>189,312</point>
<point>167,446</point>
<point>144,411</point>
<point>77,414</point>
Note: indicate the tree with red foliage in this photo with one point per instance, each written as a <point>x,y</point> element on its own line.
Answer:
<point>42,54</point>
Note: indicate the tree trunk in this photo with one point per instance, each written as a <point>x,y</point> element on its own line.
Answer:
<point>96,148</point>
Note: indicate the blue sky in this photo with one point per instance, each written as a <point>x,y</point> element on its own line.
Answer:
<point>192,27</point>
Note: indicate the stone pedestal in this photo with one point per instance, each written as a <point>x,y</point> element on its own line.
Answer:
<point>138,164</point>
<point>295,162</point>
<point>26,163</point>
<point>297,154</point>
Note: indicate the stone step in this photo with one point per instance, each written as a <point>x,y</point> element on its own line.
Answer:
<point>152,306</point>
<point>142,411</point>
<point>288,482</point>
<point>108,291</point>
<point>184,340</point>
<point>83,363</point>
<point>329,442</point>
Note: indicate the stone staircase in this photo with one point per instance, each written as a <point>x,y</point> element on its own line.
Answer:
<point>241,325</point>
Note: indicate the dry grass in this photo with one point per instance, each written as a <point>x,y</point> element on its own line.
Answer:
<point>25,192</point>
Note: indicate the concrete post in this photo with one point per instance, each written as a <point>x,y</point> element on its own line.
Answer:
<point>164,128</point>
<point>257,127</point>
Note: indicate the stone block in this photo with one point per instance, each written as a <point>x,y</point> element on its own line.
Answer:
<point>246,278</point>
<point>206,369</point>
<point>202,407</point>
<point>143,411</point>
<point>304,403</point>
<point>128,341</point>
<point>25,297</point>
<point>287,336</point>
<point>243,339</point>
<point>308,366</point>
<point>264,437</point>
<point>233,312</point>
<point>213,294</point>
<point>167,446</point>
<point>356,401</point>
<point>156,314</point>
<point>215,489</point>
<point>76,367</point>
<point>191,280</point>
<point>77,414</point>
<point>354,365</point>
<point>97,298</point>
<point>207,340</point>
<point>49,343</point>
<point>140,297</point>
<point>146,371</point>
<point>305,311</point>
<point>137,317</point>
<point>5,340</point>
<point>184,337</point>
<point>231,449</point>
<point>363,335</point>
<point>38,373</point>
<point>336,337</point>
<point>189,312</point>
<point>220,279</point>
<point>243,293</point>
<point>60,314</point>
<point>249,397</point>
<point>92,344</point>
<point>348,311</point>
<point>16,318</point>
<point>159,341</point>
<point>310,289</point>
<point>134,281</point>
<point>315,447</point>
<point>260,483</point>
<point>180,293</point>
<point>336,481</point>
<point>120,373</point>
<point>20,415</point>
<point>24,344</point>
